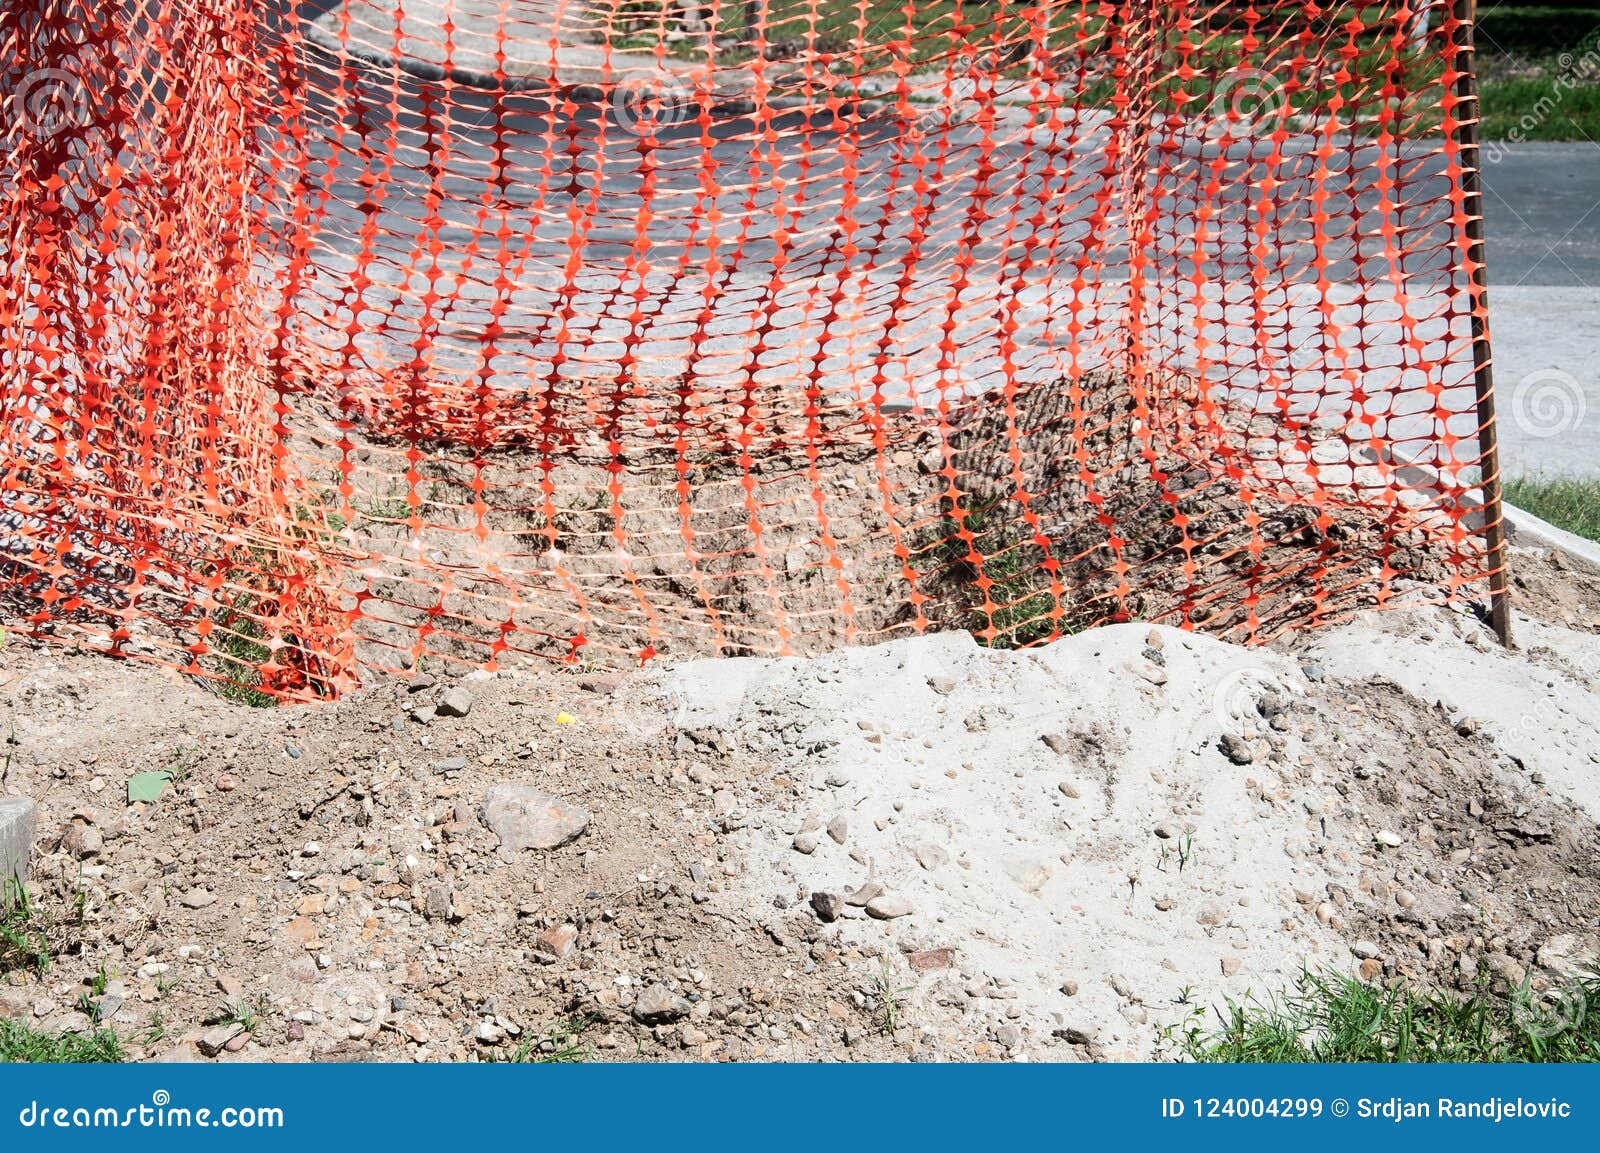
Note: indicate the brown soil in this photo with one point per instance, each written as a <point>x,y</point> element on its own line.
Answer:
<point>1051,517</point>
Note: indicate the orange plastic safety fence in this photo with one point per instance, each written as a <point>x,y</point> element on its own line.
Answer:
<point>348,333</point>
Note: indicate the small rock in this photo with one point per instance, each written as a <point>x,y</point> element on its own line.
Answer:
<point>1070,988</point>
<point>930,857</point>
<point>944,686</point>
<point>1467,726</point>
<point>1009,1036</point>
<point>214,1040</point>
<point>1231,965</point>
<point>436,903</point>
<point>1313,672</point>
<point>806,843</point>
<point>928,960</point>
<point>828,906</point>
<point>525,818</point>
<point>1166,830</point>
<point>659,1005</point>
<point>1057,743</point>
<point>1236,749</point>
<point>1390,839</point>
<point>864,894</point>
<point>1405,898</point>
<point>197,898</point>
<point>888,907</point>
<point>1565,956</point>
<point>1371,969</point>
<point>456,702</point>
<point>838,829</point>
<point>557,943</point>
<point>83,841</point>
<point>1364,948</point>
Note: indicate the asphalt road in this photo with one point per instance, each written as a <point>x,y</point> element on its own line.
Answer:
<point>1542,222</point>
<point>408,185</point>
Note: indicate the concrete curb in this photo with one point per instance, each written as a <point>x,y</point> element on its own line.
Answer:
<point>1525,530</point>
<point>17,818</point>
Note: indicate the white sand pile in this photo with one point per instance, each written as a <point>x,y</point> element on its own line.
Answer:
<point>1062,815</point>
<point>1073,822</point>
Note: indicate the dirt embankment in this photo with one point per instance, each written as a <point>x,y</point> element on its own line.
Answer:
<point>1053,853</point>
<point>775,530</point>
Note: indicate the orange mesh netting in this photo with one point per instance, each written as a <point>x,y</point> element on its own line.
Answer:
<point>345,333</point>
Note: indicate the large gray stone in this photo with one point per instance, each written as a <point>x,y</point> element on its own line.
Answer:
<point>525,818</point>
<point>17,819</point>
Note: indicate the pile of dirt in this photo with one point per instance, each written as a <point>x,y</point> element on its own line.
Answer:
<point>922,849</point>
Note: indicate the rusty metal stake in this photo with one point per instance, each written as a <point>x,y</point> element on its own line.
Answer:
<point>1466,139</point>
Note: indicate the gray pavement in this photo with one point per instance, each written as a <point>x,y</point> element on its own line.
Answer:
<point>1542,221</point>
<point>517,164</point>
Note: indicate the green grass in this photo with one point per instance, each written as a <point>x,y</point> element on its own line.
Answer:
<point>1339,1019</point>
<point>29,937</point>
<point>1006,594</point>
<point>27,933</point>
<point>19,1043</point>
<point>237,642</point>
<point>889,997</point>
<point>1535,109</point>
<point>1572,504</point>
<point>562,1045</point>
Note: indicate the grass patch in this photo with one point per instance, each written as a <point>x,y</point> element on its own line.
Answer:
<point>1005,592</point>
<point>19,1043</point>
<point>562,1045</point>
<point>1530,108</point>
<point>888,997</point>
<point>239,644</point>
<point>1572,503</point>
<point>30,936</point>
<point>1339,1019</point>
